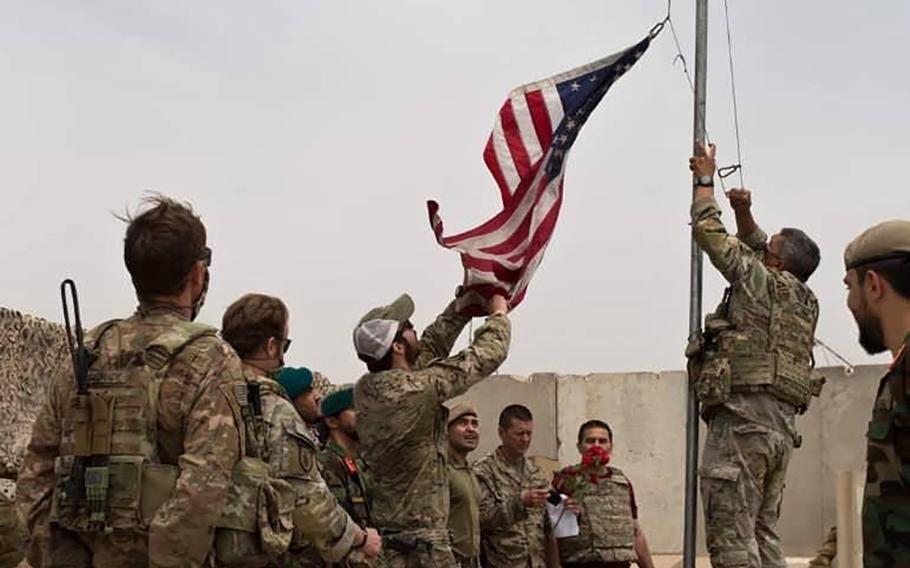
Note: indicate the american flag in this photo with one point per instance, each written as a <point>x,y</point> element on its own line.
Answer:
<point>526,154</point>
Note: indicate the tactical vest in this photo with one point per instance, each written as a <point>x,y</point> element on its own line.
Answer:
<point>749,348</point>
<point>257,523</point>
<point>108,474</point>
<point>606,525</point>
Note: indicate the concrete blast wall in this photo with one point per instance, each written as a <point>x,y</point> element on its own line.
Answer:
<point>647,414</point>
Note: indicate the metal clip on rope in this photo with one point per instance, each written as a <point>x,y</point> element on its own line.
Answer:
<point>728,171</point>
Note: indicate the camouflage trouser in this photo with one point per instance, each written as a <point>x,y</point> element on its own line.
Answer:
<point>435,557</point>
<point>743,469</point>
<point>65,549</point>
<point>12,529</point>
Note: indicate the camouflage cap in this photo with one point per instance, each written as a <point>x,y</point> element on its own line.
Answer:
<point>376,331</point>
<point>338,401</point>
<point>400,310</point>
<point>884,241</point>
<point>459,410</point>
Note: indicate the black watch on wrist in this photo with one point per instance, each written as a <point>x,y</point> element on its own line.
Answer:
<point>704,181</point>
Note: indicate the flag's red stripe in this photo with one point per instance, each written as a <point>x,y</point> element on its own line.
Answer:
<point>489,156</point>
<point>540,117</point>
<point>513,139</point>
<point>500,218</point>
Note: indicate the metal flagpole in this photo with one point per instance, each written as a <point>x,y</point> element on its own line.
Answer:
<point>695,295</point>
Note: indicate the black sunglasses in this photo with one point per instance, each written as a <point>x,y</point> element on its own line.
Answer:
<point>285,344</point>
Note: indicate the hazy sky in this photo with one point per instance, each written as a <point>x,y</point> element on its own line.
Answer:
<point>309,135</point>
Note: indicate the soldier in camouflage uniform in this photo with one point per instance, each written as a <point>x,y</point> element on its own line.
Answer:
<point>468,513</point>
<point>751,372</point>
<point>178,434</point>
<point>256,326</point>
<point>301,388</point>
<point>340,462</point>
<point>877,263</point>
<point>504,475</point>
<point>402,421</point>
<point>609,533</point>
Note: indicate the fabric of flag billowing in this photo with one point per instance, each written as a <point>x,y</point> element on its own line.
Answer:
<point>526,153</point>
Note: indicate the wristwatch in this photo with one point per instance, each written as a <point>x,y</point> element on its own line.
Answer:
<point>704,181</point>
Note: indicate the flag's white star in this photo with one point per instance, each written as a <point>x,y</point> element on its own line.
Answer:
<point>570,125</point>
<point>592,78</point>
<point>575,86</point>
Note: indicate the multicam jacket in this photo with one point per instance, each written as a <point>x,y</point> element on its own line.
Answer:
<point>321,527</point>
<point>349,480</point>
<point>197,431</point>
<point>886,502</point>
<point>402,422</point>
<point>772,317</point>
<point>522,544</point>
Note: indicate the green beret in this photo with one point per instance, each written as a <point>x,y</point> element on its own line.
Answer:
<point>884,241</point>
<point>336,402</point>
<point>295,380</point>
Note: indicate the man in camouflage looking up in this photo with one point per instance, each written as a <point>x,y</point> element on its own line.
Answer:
<point>256,326</point>
<point>877,265</point>
<point>402,420</point>
<point>163,388</point>
<point>751,372</point>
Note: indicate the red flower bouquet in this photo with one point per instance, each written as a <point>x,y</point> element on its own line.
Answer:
<point>575,480</point>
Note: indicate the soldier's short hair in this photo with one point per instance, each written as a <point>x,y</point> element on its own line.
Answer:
<point>593,424</point>
<point>162,243</point>
<point>251,321</point>
<point>799,253</point>
<point>896,271</point>
<point>514,412</point>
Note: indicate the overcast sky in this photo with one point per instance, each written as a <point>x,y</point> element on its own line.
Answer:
<point>309,135</point>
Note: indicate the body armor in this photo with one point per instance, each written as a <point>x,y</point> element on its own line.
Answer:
<point>748,348</point>
<point>606,525</point>
<point>109,475</point>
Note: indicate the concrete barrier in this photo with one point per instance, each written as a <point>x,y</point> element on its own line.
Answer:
<point>647,414</point>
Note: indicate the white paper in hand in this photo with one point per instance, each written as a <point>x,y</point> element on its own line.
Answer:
<point>564,522</point>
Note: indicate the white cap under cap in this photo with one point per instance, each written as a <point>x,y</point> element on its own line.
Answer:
<point>374,338</point>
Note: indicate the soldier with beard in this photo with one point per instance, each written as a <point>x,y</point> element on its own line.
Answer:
<point>877,265</point>
<point>342,467</point>
<point>402,420</point>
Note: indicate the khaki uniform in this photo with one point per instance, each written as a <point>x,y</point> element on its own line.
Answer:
<point>886,500</point>
<point>196,419</point>
<point>322,529</point>
<point>468,515</point>
<point>402,426</point>
<point>606,524</point>
<point>752,383</point>
<point>522,544</point>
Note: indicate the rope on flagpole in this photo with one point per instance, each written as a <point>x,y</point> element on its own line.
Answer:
<point>724,172</point>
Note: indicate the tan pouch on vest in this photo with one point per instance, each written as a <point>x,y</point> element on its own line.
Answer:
<point>713,386</point>
<point>158,485</point>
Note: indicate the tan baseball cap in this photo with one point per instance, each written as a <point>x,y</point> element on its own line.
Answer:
<point>376,330</point>
<point>459,410</point>
<point>885,241</point>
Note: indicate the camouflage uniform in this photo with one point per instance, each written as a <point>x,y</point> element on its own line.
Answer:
<point>402,426</point>
<point>468,515</point>
<point>886,501</point>
<point>827,551</point>
<point>322,529</point>
<point>751,429</point>
<point>349,480</point>
<point>197,431</point>
<point>522,544</point>
<point>606,524</point>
